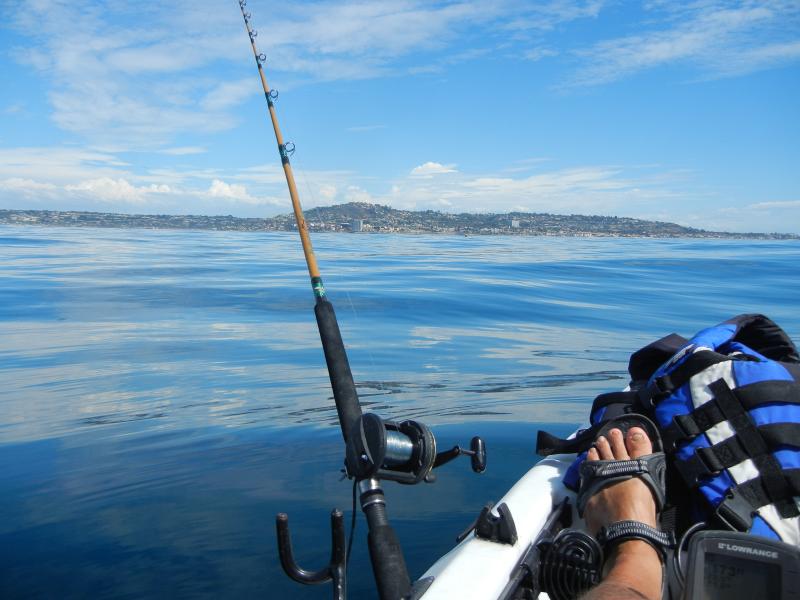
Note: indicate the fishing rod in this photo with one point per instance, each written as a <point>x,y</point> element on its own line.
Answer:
<point>374,449</point>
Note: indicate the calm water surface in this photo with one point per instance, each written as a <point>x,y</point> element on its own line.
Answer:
<point>164,394</point>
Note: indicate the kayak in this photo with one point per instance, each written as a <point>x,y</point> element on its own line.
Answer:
<point>483,568</point>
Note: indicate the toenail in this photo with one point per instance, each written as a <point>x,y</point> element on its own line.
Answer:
<point>637,437</point>
<point>600,439</point>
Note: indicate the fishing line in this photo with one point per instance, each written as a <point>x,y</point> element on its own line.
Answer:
<point>371,357</point>
<point>374,449</point>
<point>344,392</point>
<point>301,173</point>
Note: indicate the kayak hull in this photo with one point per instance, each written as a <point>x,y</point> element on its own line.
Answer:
<point>479,568</point>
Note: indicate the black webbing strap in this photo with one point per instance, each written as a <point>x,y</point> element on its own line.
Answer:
<point>711,460</point>
<point>772,479</point>
<point>744,499</point>
<point>689,426</point>
<point>660,387</point>
<point>611,398</point>
<point>705,416</point>
<point>547,443</point>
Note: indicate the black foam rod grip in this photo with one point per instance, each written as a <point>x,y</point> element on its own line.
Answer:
<point>344,388</point>
<point>388,563</point>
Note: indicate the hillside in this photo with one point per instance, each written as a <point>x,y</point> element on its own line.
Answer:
<point>364,217</point>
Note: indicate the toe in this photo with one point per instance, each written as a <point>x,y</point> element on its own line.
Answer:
<point>617,442</point>
<point>592,454</point>
<point>603,448</point>
<point>637,442</point>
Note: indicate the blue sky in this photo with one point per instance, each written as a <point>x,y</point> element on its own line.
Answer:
<point>686,112</point>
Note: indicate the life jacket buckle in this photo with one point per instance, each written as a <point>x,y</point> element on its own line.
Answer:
<point>735,512</point>
<point>657,389</point>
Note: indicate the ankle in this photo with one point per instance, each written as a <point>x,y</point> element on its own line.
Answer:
<point>635,551</point>
<point>635,566</point>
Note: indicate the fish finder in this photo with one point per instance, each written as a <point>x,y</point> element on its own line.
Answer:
<point>734,566</point>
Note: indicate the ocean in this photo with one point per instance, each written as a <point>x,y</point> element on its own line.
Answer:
<point>164,393</point>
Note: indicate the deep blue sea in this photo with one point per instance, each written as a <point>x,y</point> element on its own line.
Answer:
<point>163,394</point>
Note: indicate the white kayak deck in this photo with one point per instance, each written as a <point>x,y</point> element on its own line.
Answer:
<point>479,569</point>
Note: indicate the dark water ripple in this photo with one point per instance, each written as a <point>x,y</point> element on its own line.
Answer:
<point>164,393</point>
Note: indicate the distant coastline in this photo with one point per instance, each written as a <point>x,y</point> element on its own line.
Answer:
<point>373,218</point>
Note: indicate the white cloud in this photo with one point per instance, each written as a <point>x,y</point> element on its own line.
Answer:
<point>583,190</point>
<point>355,193</point>
<point>327,191</point>
<point>270,173</point>
<point>778,204</point>
<point>220,189</point>
<point>229,94</point>
<point>184,150</point>
<point>429,169</point>
<point>16,184</point>
<point>363,128</point>
<point>58,165</point>
<point>106,189</point>
<point>144,83</point>
<point>74,179</point>
<point>717,39</point>
<point>236,193</point>
<point>545,16</point>
<point>80,180</point>
<point>768,217</point>
<point>536,54</point>
<point>763,57</point>
<point>129,86</point>
<point>381,28</point>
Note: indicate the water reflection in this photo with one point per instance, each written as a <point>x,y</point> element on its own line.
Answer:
<point>164,393</point>
<point>191,514</point>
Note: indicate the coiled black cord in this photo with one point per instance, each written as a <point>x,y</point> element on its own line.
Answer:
<point>571,565</point>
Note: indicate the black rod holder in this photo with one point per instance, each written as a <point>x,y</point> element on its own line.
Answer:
<point>335,571</point>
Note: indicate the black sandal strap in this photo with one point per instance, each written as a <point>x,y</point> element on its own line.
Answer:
<point>598,474</point>
<point>621,531</point>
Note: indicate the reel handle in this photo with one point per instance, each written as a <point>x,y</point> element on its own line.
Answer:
<point>477,454</point>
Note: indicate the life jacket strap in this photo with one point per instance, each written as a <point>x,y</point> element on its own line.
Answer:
<point>772,478</point>
<point>742,501</point>
<point>709,461</point>
<point>688,426</point>
<point>547,443</point>
<point>662,386</point>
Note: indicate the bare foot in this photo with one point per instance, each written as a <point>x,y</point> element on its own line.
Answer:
<point>633,570</point>
<point>627,500</point>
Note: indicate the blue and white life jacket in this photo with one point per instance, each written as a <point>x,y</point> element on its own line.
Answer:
<point>727,403</point>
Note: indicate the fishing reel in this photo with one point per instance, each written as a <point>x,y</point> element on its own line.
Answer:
<point>403,452</point>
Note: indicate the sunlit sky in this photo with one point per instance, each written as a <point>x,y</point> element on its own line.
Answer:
<point>680,111</point>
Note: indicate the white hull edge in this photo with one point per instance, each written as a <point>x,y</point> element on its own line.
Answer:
<point>479,569</point>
